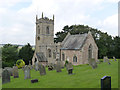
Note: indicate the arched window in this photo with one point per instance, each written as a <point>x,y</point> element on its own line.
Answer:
<point>75,59</point>
<point>49,53</point>
<point>47,30</point>
<point>63,57</point>
<point>90,52</point>
<point>38,38</point>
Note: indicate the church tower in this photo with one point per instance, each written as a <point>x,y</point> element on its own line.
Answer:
<point>44,32</point>
<point>45,48</point>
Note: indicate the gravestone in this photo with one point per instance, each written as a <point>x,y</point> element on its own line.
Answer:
<point>36,66</point>
<point>26,70</point>
<point>61,64</point>
<point>92,63</point>
<point>114,59</point>
<point>106,59</point>
<point>15,72</point>
<point>106,83</point>
<point>58,66</point>
<point>30,66</point>
<point>42,69</point>
<point>5,76</point>
<point>10,70</point>
<point>69,68</point>
<point>34,81</point>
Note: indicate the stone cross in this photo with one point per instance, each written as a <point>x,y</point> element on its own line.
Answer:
<point>42,69</point>
<point>15,71</point>
<point>5,76</point>
<point>26,70</point>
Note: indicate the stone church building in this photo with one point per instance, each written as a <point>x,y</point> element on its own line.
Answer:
<point>77,49</point>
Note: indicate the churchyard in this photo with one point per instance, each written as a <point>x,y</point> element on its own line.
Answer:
<point>84,76</point>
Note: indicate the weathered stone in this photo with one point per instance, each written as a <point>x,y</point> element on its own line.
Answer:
<point>42,69</point>
<point>26,70</point>
<point>58,66</point>
<point>36,66</point>
<point>15,72</point>
<point>10,70</point>
<point>69,68</point>
<point>93,63</point>
<point>5,76</point>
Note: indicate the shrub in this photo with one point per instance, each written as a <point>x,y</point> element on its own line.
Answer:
<point>20,63</point>
<point>66,62</point>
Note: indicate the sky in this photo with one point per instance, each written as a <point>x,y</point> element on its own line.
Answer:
<point>17,17</point>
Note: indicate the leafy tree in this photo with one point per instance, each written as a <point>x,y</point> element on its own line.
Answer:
<point>26,53</point>
<point>9,55</point>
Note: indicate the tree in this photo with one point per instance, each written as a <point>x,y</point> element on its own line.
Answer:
<point>9,55</point>
<point>26,53</point>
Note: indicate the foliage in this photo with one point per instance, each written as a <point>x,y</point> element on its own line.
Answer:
<point>9,55</point>
<point>107,45</point>
<point>26,53</point>
<point>20,63</point>
<point>66,62</point>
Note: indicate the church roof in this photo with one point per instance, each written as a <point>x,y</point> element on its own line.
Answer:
<point>41,57</point>
<point>74,42</point>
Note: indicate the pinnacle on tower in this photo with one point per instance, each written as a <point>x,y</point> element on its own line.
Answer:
<point>53,16</point>
<point>42,14</point>
<point>36,17</point>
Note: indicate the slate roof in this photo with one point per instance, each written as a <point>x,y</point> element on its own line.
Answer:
<point>41,57</point>
<point>74,42</point>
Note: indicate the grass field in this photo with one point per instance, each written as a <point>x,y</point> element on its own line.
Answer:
<point>84,77</point>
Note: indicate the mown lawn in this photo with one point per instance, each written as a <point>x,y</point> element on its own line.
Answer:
<point>84,77</point>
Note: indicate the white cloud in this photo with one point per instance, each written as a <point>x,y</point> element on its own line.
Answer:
<point>19,26</point>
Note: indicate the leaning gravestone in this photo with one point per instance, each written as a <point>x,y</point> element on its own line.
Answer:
<point>26,70</point>
<point>42,69</point>
<point>58,66</point>
<point>5,76</point>
<point>92,63</point>
<point>106,83</point>
<point>15,72</point>
<point>69,68</point>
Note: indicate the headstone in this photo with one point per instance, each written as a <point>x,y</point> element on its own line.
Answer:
<point>93,63</point>
<point>106,83</point>
<point>30,66</point>
<point>10,70</point>
<point>5,76</point>
<point>69,68</point>
<point>34,80</point>
<point>58,66</point>
<point>106,59</point>
<point>114,59</point>
<point>15,72</point>
<point>26,70</point>
<point>42,69</point>
<point>36,66</point>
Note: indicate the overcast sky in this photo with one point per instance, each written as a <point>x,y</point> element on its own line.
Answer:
<point>17,17</point>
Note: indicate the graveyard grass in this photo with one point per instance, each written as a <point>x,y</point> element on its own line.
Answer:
<point>84,77</point>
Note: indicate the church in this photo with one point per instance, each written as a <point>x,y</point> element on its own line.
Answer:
<point>77,49</point>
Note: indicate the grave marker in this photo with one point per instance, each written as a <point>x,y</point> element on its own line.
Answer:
<point>5,76</point>
<point>42,69</point>
<point>26,70</point>
<point>15,71</point>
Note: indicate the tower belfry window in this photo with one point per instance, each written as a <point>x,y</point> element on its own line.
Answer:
<point>47,30</point>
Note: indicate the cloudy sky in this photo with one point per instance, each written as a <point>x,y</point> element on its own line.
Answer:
<point>17,17</point>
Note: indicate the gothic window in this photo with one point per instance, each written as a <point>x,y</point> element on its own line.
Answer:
<point>49,53</point>
<point>47,30</point>
<point>63,57</point>
<point>75,59</point>
<point>38,38</point>
<point>90,52</point>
